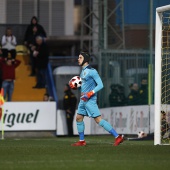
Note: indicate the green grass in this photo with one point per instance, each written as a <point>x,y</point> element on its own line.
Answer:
<point>57,153</point>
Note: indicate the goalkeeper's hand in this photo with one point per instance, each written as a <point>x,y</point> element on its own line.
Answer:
<point>86,96</point>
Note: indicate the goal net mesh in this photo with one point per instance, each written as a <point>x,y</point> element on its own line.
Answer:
<point>165,74</point>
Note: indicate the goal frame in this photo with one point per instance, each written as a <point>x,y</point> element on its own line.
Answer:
<point>158,77</point>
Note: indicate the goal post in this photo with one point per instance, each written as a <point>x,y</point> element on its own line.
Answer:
<point>162,73</point>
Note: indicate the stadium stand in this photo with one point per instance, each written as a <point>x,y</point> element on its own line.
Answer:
<point>23,85</point>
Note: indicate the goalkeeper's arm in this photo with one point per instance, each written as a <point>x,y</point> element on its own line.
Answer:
<point>99,86</point>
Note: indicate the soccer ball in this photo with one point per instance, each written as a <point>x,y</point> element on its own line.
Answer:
<point>76,82</point>
<point>141,134</point>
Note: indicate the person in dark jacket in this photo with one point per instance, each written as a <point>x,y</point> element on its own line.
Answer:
<point>28,33</point>
<point>33,30</point>
<point>113,96</point>
<point>117,96</point>
<point>164,124</point>
<point>69,104</point>
<point>133,97</point>
<point>41,54</point>
<point>143,92</point>
<point>31,42</point>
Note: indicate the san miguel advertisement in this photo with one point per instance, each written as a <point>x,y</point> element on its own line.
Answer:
<point>126,120</point>
<point>27,116</point>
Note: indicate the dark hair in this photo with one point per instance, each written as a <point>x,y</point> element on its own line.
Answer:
<point>86,56</point>
<point>46,94</point>
<point>131,85</point>
<point>34,17</point>
<point>68,86</point>
<point>7,30</point>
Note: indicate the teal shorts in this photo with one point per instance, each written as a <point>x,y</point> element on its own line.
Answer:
<point>89,108</point>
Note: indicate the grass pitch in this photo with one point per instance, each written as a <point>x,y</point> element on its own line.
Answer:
<point>99,154</point>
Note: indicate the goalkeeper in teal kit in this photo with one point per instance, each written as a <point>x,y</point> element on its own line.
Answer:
<point>91,84</point>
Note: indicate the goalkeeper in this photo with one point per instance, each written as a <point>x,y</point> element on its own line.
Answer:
<point>91,84</point>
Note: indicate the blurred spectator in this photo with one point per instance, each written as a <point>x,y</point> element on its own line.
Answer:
<point>164,126</point>
<point>122,98</point>
<point>29,30</point>
<point>0,70</point>
<point>133,97</point>
<point>9,44</point>
<point>0,78</point>
<point>143,92</point>
<point>0,51</point>
<point>117,97</point>
<point>31,42</point>
<point>8,67</point>
<point>69,104</point>
<point>46,97</point>
<point>113,96</point>
<point>41,54</point>
<point>33,30</point>
<point>131,86</point>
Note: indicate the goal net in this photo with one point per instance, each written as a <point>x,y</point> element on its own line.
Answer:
<point>162,76</point>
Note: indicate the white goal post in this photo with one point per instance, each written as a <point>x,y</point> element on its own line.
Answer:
<point>162,70</point>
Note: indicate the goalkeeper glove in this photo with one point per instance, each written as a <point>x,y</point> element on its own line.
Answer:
<point>87,95</point>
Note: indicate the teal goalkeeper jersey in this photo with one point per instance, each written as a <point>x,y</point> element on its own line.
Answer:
<point>90,81</point>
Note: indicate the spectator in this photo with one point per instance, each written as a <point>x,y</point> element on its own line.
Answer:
<point>133,97</point>
<point>8,67</point>
<point>117,96</point>
<point>113,96</point>
<point>9,44</point>
<point>130,86</point>
<point>164,125</point>
<point>69,103</point>
<point>122,98</point>
<point>41,54</point>
<point>28,33</point>
<point>46,97</point>
<point>0,78</point>
<point>31,42</point>
<point>0,51</point>
<point>143,92</point>
<point>0,70</point>
<point>33,30</point>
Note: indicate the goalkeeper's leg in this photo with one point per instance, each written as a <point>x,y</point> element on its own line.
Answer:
<point>106,125</point>
<point>80,128</point>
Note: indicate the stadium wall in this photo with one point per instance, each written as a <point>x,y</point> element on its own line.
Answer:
<point>29,116</point>
<point>41,118</point>
<point>125,120</point>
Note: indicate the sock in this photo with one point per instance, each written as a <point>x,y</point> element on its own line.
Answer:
<point>106,125</point>
<point>114,133</point>
<point>81,136</point>
<point>80,128</point>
